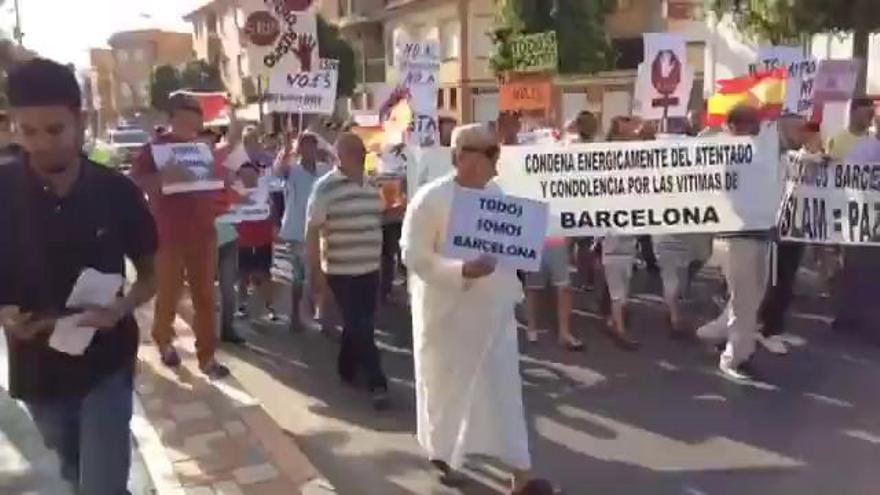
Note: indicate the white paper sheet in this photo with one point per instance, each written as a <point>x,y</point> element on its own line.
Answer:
<point>70,338</point>
<point>94,288</point>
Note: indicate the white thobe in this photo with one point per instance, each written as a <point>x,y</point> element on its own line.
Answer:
<point>468,386</point>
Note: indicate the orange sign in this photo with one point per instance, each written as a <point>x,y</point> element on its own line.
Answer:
<point>526,95</point>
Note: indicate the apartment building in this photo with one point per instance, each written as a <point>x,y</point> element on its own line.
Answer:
<point>135,54</point>
<point>468,89</point>
<point>217,39</point>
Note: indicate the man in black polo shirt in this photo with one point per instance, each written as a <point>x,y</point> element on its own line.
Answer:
<point>60,214</point>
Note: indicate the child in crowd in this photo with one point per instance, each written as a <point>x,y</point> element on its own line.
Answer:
<point>255,252</point>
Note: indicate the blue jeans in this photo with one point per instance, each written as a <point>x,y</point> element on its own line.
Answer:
<point>227,276</point>
<point>91,435</point>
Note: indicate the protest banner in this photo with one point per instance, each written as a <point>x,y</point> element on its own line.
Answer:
<point>418,64</point>
<point>688,185</point>
<point>800,75</point>
<point>249,204</point>
<point>526,95</point>
<point>510,229</point>
<point>664,80</point>
<point>186,167</point>
<point>535,52</point>
<point>304,92</point>
<point>277,37</point>
<point>429,164</point>
<point>835,80</point>
<point>831,202</point>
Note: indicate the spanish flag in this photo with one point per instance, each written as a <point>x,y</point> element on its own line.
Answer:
<point>763,90</point>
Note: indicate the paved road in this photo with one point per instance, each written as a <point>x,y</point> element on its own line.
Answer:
<point>656,422</point>
<point>26,466</point>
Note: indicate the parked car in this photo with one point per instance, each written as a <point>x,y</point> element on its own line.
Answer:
<point>125,145</point>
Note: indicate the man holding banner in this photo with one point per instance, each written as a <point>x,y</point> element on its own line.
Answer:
<point>468,387</point>
<point>745,270</point>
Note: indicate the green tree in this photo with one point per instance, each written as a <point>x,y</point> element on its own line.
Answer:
<point>584,46</point>
<point>164,80</point>
<point>782,21</point>
<point>199,75</point>
<point>331,45</point>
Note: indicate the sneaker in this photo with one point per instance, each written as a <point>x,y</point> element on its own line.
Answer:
<point>216,371</point>
<point>773,344</point>
<point>233,338</point>
<point>170,357</point>
<point>380,399</point>
<point>713,334</point>
<point>241,312</point>
<point>273,316</point>
<point>742,373</point>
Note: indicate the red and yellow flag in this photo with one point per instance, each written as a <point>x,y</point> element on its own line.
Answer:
<point>763,90</point>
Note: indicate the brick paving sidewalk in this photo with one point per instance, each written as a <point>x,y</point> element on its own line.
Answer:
<point>214,438</point>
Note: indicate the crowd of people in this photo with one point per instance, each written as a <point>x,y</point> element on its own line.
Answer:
<point>339,236</point>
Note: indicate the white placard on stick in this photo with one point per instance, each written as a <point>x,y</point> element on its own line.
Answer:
<point>186,167</point>
<point>688,185</point>
<point>507,228</point>
<point>304,92</point>
<point>801,75</point>
<point>252,204</point>
<point>276,37</point>
<point>419,66</point>
<point>664,79</point>
<point>831,202</point>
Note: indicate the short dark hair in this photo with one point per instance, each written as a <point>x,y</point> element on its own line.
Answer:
<point>743,113</point>
<point>42,82</point>
<point>586,113</point>
<point>861,102</point>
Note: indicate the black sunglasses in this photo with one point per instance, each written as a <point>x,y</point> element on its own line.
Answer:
<point>491,152</point>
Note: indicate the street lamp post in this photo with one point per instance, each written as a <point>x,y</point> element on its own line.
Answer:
<point>18,34</point>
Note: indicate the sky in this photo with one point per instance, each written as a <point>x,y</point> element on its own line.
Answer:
<point>64,30</point>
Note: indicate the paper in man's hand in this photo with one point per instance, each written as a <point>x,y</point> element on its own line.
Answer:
<point>94,288</point>
<point>70,338</point>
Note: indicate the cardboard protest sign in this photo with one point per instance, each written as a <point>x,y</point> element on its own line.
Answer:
<point>535,52</point>
<point>800,75</point>
<point>304,92</point>
<point>664,80</point>
<point>510,229</point>
<point>526,96</point>
<point>831,202</point>
<point>688,185</point>
<point>277,37</point>
<point>835,80</point>
<point>419,64</point>
<point>186,167</point>
<point>251,201</point>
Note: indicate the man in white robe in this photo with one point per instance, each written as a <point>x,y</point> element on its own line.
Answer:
<point>468,386</point>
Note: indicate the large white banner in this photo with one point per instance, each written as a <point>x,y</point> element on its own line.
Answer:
<point>428,164</point>
<point>304,92</point>
<point>276,37</point>
<point>509,229</point>
<point>689,185</point>
<point>831,202</point>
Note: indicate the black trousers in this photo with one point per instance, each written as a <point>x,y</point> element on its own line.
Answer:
<point>777,299</point>
<point>390,249</point>
<point>356,297</point>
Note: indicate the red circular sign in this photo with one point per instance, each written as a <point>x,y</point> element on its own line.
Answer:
<point>262,28</point>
